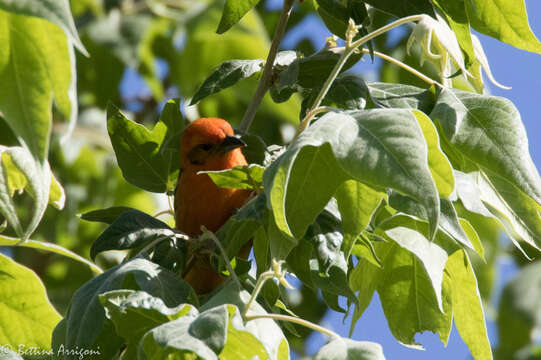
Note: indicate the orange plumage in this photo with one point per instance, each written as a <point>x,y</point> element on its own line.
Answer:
<point>206,144</point>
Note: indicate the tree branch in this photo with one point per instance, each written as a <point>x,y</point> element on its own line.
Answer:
<point>265,82</point>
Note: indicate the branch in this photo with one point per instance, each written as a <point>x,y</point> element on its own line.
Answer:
<point>295,320</point>
<point>265,82</point>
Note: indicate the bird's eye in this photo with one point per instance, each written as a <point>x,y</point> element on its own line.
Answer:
<point>206,147</point>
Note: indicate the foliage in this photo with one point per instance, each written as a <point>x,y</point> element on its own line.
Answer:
<point>398,187</point>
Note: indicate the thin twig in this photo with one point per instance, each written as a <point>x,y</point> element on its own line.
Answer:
<point>160,213</point>
<point>152,244</point>
<point>295,320</point>
<point>265,81</point>
<point>403,66</point>
<point>258,286</point>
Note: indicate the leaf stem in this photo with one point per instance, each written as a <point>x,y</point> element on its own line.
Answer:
<point>350,48</point>
<point>404,66</point>
<point>265,82</point>
<point>295,320</point>
<point>160,213</point>
<point>258,286</point>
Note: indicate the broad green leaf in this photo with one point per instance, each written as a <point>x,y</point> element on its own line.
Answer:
<point>348,92</point>
<point>227,74</point>
<point>510,221</point>
<point>401,96</point>
<point>266,330</point>
<point>449,222</point>
<point>468,311</point>
<point>36,65</point>
<point>54,248</point>
<point>440,167</point>
<point>518,311</point>
<point>488,131</point>
<point>107,216</point>
<point>298,262</point>
<point>21,170</point>
<point>383,148</point>
<point>136,312</point>
<point>234,10</point>
<point>357,203</point>
<point>85,324</point>
<point>26,315</point>
<point>430,254</point>
<point>468,192</point>
<point>365,249</point>
<point>240,177</point>
<point>401,8</point>
<point>408,299</point>
<point>503,20</point>
<point>341,348</point>
<point>56,11</point>
<point>143,155</point>
<point>132,229</point>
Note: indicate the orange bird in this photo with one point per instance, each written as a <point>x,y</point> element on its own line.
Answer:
<point>206,144</point>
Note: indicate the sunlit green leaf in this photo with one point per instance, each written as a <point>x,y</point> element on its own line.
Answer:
<point>468,311</point>
<point>381,148</point>
<point>226,75</point>
<point>240,177</point>
<point>503,20</point>
<point>26,315</point>
<point>338,349</point>
<point>234,10</point>
<point>36,65</point>
<point>144,155</point>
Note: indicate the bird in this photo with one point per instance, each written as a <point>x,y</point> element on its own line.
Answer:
<point>206,144</point>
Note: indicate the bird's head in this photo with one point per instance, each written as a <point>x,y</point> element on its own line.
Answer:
<point>209,144</point>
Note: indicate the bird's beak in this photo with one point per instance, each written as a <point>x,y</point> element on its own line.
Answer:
<point>230,143</point>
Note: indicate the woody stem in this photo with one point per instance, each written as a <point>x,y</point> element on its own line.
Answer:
<point>266,77</point>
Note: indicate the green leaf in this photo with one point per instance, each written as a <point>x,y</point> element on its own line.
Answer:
<point>503,20</point>
<point>20,170</point>
<point>36,65</point>
<point>133,229</point>
<point>234,10</point>
<point>440,167</point>
<point>144,155</point>
<point>357,203</point>
<point>383,148</point>
<point>85,324</point>
<point>240,177</point>
<point>468,192</point>
<point>430,254</point>
<point>339,349</point>
<point>449,222</point>
<point>402,8</point>
<point>26,315</point>
<point>56,11</point>
<point>407,296</point>
<point>348,92</point>
<point>468,311</point>
<point>488,131</point>
<point>401,96</point>
<point>107,216</point>
<point>227,74</point>
<point>135,312</point>
<point>518,311</point>
<point>265,330</point>
<point>54,248</point>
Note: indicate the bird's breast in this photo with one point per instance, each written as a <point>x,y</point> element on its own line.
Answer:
<point>200,202</point>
